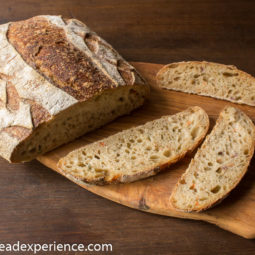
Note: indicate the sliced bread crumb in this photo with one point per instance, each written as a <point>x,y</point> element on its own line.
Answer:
<point>218,165</point>
<point>138,152</point>
<point>209,79</point>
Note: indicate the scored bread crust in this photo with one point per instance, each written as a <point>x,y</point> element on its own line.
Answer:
<point>49,65</point>
<point>220,81</point>
<point>200,206</point>
<point>145,172</point>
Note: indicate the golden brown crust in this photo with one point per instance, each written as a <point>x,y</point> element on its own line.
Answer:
<point>45,47</point>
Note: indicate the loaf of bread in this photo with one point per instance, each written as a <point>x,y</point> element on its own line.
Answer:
<point>59,80</point>
<point>209,79</point>
<point>138,152</point>
<point>218,165</point>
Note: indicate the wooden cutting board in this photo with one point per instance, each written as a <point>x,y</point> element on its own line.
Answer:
<point>236,213</point>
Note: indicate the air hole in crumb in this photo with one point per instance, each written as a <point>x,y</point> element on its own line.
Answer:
<point>99,170</point>
<point>154,157</point>
<point>219,161</point>
<point>139,140</point>
<point>172,65</point>
<point>176,78</point>
<point>246,152</point>
<point>167,153</point>
<point>216,189</point>
<point>141,131</point>
<point>194,132</point>
<point>192,186</point>
<point>227,74</point>
<point>219,170</point>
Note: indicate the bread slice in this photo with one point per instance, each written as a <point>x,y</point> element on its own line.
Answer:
<point>138,152</point>
<point>209,79</point>
<point>219,164</point>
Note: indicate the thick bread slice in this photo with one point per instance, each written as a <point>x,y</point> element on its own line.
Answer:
<point>58,81</point>
<point>138,152</point>
<point>209,79</point>
<point>219,164</point>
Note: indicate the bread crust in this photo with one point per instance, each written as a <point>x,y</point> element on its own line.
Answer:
<point>47,65</point>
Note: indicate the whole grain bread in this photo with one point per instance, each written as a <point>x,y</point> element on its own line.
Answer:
<point>138,152</point>
<point>59,80</point>
<point>209,79</point>
<point>218,165</point>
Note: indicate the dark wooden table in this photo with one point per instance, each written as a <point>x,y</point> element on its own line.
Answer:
<point>38,205</point>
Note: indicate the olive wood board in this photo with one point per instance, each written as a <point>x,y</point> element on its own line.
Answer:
<point>236,213</point>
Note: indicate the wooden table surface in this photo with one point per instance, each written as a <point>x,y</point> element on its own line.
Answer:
<point>38,205</point>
